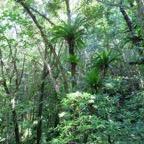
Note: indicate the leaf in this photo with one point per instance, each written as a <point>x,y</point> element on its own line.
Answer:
<point>72,58</point>
<point>73,32</point>
<point>103,60</point>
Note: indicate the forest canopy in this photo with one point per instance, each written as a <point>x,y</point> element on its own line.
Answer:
<point>71,71</point>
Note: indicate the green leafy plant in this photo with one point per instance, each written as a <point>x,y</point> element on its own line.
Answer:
<point>73,59</point>
<point>103,61</point>
<point>70,32</point>
<point>93,80</point>
<point>87,118</point>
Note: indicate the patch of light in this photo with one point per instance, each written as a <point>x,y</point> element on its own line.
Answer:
<point>62,114</point>
<point>74,2</point>
<point>13,103</point>
<point>39,1</point>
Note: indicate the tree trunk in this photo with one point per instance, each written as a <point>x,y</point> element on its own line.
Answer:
<point>16,127</point>
<point>73,73</point>
<point>14,114</point>
<point>7,131</point>
<point>127,19</point>
<point>135,39</point>
<point>71,45</point>
<point>40,106</point>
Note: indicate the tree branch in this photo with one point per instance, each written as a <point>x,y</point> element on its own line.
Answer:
<point>42,15</point>
<point>50,72</point>
<point>21,76</point>
<point>126,17</point>
<point>47,43</point>
<point>4,83</point>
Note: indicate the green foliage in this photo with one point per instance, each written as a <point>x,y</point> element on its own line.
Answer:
<point>93,79</point>
<point>97,70</point>
<point>110,106</point>
<point>72,32</point>
<point>103,60</point>
<point>73,59</point>
<point>100,119</point>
